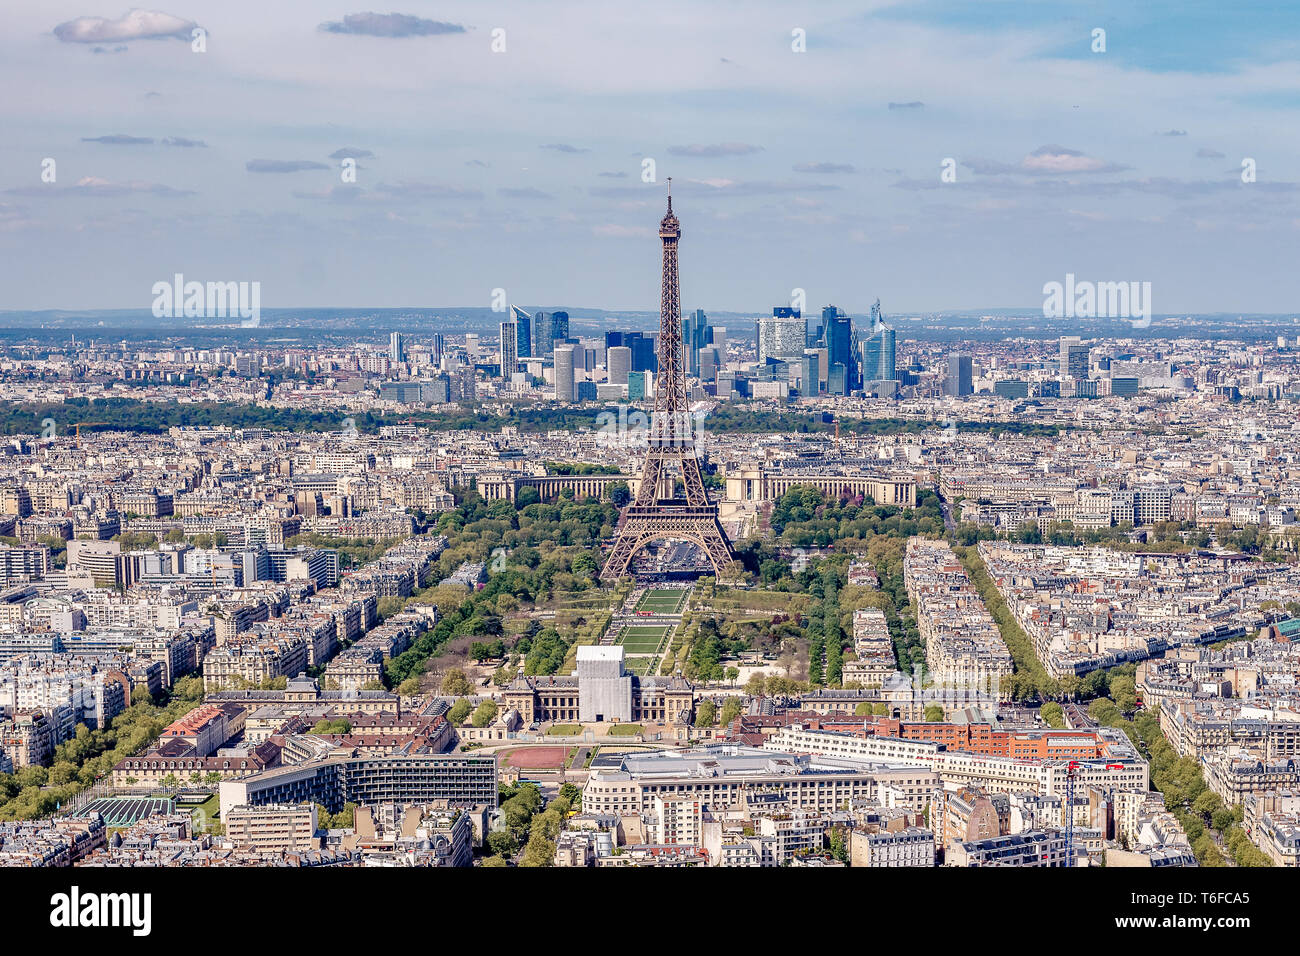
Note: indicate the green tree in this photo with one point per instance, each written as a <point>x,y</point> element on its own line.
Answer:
<point>502,843</point>
<point>409,687</point>
<point>459,711</point>
<point>456,684</point>
<point>706,715</point>
<point>484,714</point>
<point>1053,714</point>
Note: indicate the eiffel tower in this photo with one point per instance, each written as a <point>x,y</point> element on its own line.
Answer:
<point>672,450</point>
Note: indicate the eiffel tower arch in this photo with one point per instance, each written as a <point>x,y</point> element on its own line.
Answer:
<point>672,453</point>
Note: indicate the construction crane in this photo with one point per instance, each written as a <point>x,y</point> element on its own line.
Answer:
<point>77,430</point>
<point>1071,771</point>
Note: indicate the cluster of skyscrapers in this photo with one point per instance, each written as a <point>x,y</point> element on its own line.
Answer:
<point>527,336</point>
<point>829,358</point>
<point>826,357</point>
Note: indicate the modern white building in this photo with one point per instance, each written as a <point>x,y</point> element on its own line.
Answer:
<point>564,387</point>
<point>619,363</point>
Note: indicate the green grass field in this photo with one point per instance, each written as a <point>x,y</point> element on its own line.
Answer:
<point>640,666</point>
<point>644,638</point>
<point>625,730</point>
<point>663,601</point>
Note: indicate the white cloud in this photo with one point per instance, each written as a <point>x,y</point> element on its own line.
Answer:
<point>136,25</point>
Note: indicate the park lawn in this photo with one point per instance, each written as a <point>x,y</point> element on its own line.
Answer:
<point>644,640</point>
<point>781,602</point>
<point>625,730</point>
<point>640,666</point>
<point>662,601</point>
<point>565,730</point>
<point>648,647</point>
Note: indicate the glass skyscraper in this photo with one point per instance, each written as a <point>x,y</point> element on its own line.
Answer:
<point>960,380</point>
<point>559,327</point>
<point>837,327</point>
<point>878,359</point>
<point>694,337</point>
<point>523,323</point>
<point>509,355</point>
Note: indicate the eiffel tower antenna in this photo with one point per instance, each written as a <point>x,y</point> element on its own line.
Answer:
<point>671,451</point>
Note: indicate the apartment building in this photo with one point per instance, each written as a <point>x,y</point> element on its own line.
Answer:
<point>877,846</point>
<point>1034,848</point>
<point>274,826</point>
<point>720,776</point>
<point>964,648</point>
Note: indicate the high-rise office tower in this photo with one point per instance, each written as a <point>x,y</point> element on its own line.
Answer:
<point>643,352</point>
<point>438,391</point>
<point>709,363</point>
<point>837,380</point>
<point>1074,358</point>
<point>396,348</point>
<point>878,355</point>
<point>463,384</point>
<point>642,346</point>
<point>541,337</point>
<point>810,373</point>
<point>838,331</point>
<point>559,327</point>
<point>438,348</point>
<point>879,358</point>
<point>564,389</point>
<point>523,323</point>
<point>509,349</point>
<point>694,337</point>
<point>471,347</point>
<point>618,361</point>
<point>960,380</point>
<point>781,336</point>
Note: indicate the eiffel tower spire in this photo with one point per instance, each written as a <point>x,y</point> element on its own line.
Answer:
<point>671,452</point>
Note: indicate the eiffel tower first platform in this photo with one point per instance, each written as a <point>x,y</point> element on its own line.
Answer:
<point>671,452</point>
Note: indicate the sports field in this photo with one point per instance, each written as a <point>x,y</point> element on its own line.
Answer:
<point>663,601</point>
<point>644,638</point>
<point>537,758</point>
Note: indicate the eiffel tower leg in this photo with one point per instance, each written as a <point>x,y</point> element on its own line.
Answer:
<point>718,550</point>
<point>620,558</point>
<point>640,530</point>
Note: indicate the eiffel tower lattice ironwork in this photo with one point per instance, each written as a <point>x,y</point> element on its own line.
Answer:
<point>671,451</point>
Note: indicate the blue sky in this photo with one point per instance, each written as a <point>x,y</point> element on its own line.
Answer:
<point>522,169</point>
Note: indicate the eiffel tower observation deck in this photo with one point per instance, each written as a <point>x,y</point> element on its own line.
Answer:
<point>672,452</point>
